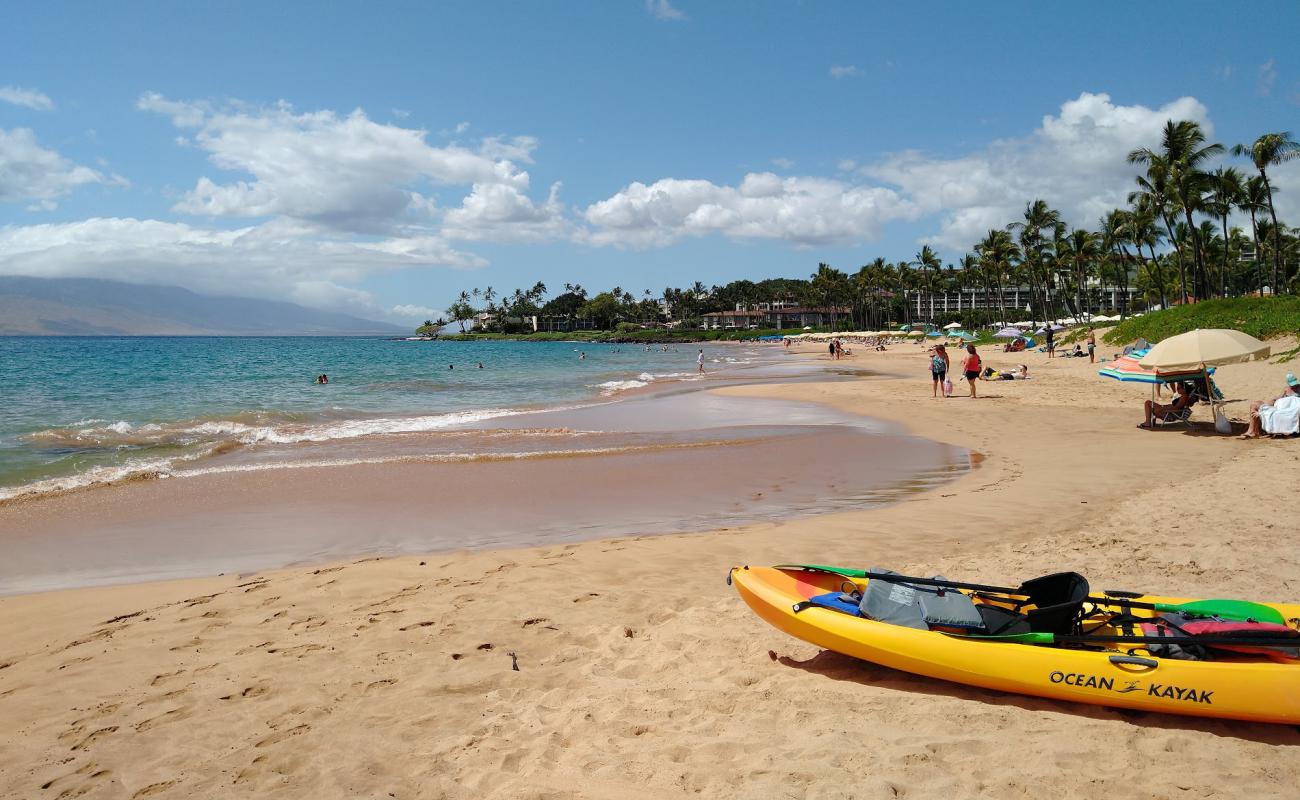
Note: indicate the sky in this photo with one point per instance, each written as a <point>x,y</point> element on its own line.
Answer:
<point>377,158</point>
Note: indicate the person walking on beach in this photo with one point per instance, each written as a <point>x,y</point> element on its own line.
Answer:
<point>1051,342</point>
<point>699,361</point>
<point>830,348</point>
<point>939,365</point>
<point>1092,345</point>
<point>971,367</point>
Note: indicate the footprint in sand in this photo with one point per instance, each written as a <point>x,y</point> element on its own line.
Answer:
<point>89,771</point>
<point>276,738</point>
<point>153,789</point>
<point>90,739</point>
<point>175,715</point>
<point>415,625</point>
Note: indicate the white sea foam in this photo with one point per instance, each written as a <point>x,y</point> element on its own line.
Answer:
<point>614,387</point>
<point>125,435</point>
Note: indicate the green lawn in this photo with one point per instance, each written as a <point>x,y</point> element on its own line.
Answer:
<point>1262,318</point>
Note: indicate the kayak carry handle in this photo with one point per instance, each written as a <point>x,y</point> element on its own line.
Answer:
<point>1137,661</point>
<point>1121,593</point>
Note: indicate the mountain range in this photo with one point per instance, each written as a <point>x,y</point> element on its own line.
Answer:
<point>92,307</point>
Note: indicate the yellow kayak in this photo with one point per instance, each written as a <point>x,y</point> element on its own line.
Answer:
<point>1261,685</point>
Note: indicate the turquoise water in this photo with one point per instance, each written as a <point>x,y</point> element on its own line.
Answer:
<point>79,410</point>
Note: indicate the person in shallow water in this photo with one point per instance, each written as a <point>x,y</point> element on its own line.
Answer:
<point>322,378</point>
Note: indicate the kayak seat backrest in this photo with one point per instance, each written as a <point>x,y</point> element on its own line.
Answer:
<point>1000,621</point>
<point>1058,602</point>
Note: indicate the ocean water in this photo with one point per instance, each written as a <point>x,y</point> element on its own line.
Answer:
<point>95,409</point>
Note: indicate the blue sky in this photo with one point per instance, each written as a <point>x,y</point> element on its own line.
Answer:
<point>377,158</point>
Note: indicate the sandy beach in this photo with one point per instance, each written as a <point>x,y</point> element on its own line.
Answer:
<point>625,667</point>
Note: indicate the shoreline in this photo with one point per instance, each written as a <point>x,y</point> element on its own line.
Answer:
<point>177,446</point>
<point>638,669</point>
<point>716,461</point>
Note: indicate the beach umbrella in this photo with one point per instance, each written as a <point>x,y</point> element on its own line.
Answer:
<point>1009,333</point>
<point>915,333</point>
<point>1128,370</point>
<point>934,334</point>
<point>968,337</point>
<point>1209,346</point>
<point>952,326</point>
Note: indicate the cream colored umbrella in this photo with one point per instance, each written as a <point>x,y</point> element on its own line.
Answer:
<point>1209,346</point>
<point>952,326</point>
<point>915,333</point>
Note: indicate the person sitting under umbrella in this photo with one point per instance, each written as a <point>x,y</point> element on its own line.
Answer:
<point>1278,417</point>
<point>1177,411</point>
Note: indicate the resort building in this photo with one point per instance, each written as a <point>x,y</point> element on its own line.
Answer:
<point>925,305</point>
<point>775,315</point>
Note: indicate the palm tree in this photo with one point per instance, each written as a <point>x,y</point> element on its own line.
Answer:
<point>1154,193</point>
<point>1038,217</point>
<point>1254,201</point>
<point>1225,193</point>
<point>1141,228</point>
<point>1114,232</point>
<point>928,262</point>
<point>1267,151</point>
<point>1078,252</point>
<point>830,286</point>
<point>1183,151</point>
<point>997,254</point>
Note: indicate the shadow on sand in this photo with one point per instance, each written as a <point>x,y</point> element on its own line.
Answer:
<point>835,666</point>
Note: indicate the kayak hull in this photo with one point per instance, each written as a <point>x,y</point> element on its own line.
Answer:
<point>1252,689</point>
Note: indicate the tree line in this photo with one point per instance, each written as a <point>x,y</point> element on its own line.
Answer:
<point>1172,242</point>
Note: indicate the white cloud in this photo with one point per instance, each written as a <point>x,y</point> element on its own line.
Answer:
<point>801,210</point>
<point>847,165</point>
<point>783,163</point>
<point>280,260</point>
<point>846,71</point>
<point>664,10</point>
<point>30,173</point>
<point>1075,160</point>
<point>347,173</point>
<point>1267,77</point>
<point>1285,178</point>
<point>412,313</point>
<point>498,212</point>
<point>27,98</point>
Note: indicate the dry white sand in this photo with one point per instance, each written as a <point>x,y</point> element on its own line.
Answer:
<point>640,674</point>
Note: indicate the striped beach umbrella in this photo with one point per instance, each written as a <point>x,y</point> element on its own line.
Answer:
<point>1127,369</point>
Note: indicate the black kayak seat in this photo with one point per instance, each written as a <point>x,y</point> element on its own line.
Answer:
<point>1058,602</point>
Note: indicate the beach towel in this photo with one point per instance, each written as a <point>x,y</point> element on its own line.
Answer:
<point>1283,417</point>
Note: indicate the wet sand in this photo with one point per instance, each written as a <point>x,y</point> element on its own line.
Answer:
<point>686,461</point>
<point>641,674</point>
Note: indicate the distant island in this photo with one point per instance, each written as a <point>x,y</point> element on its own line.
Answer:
<point>92,307</point>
